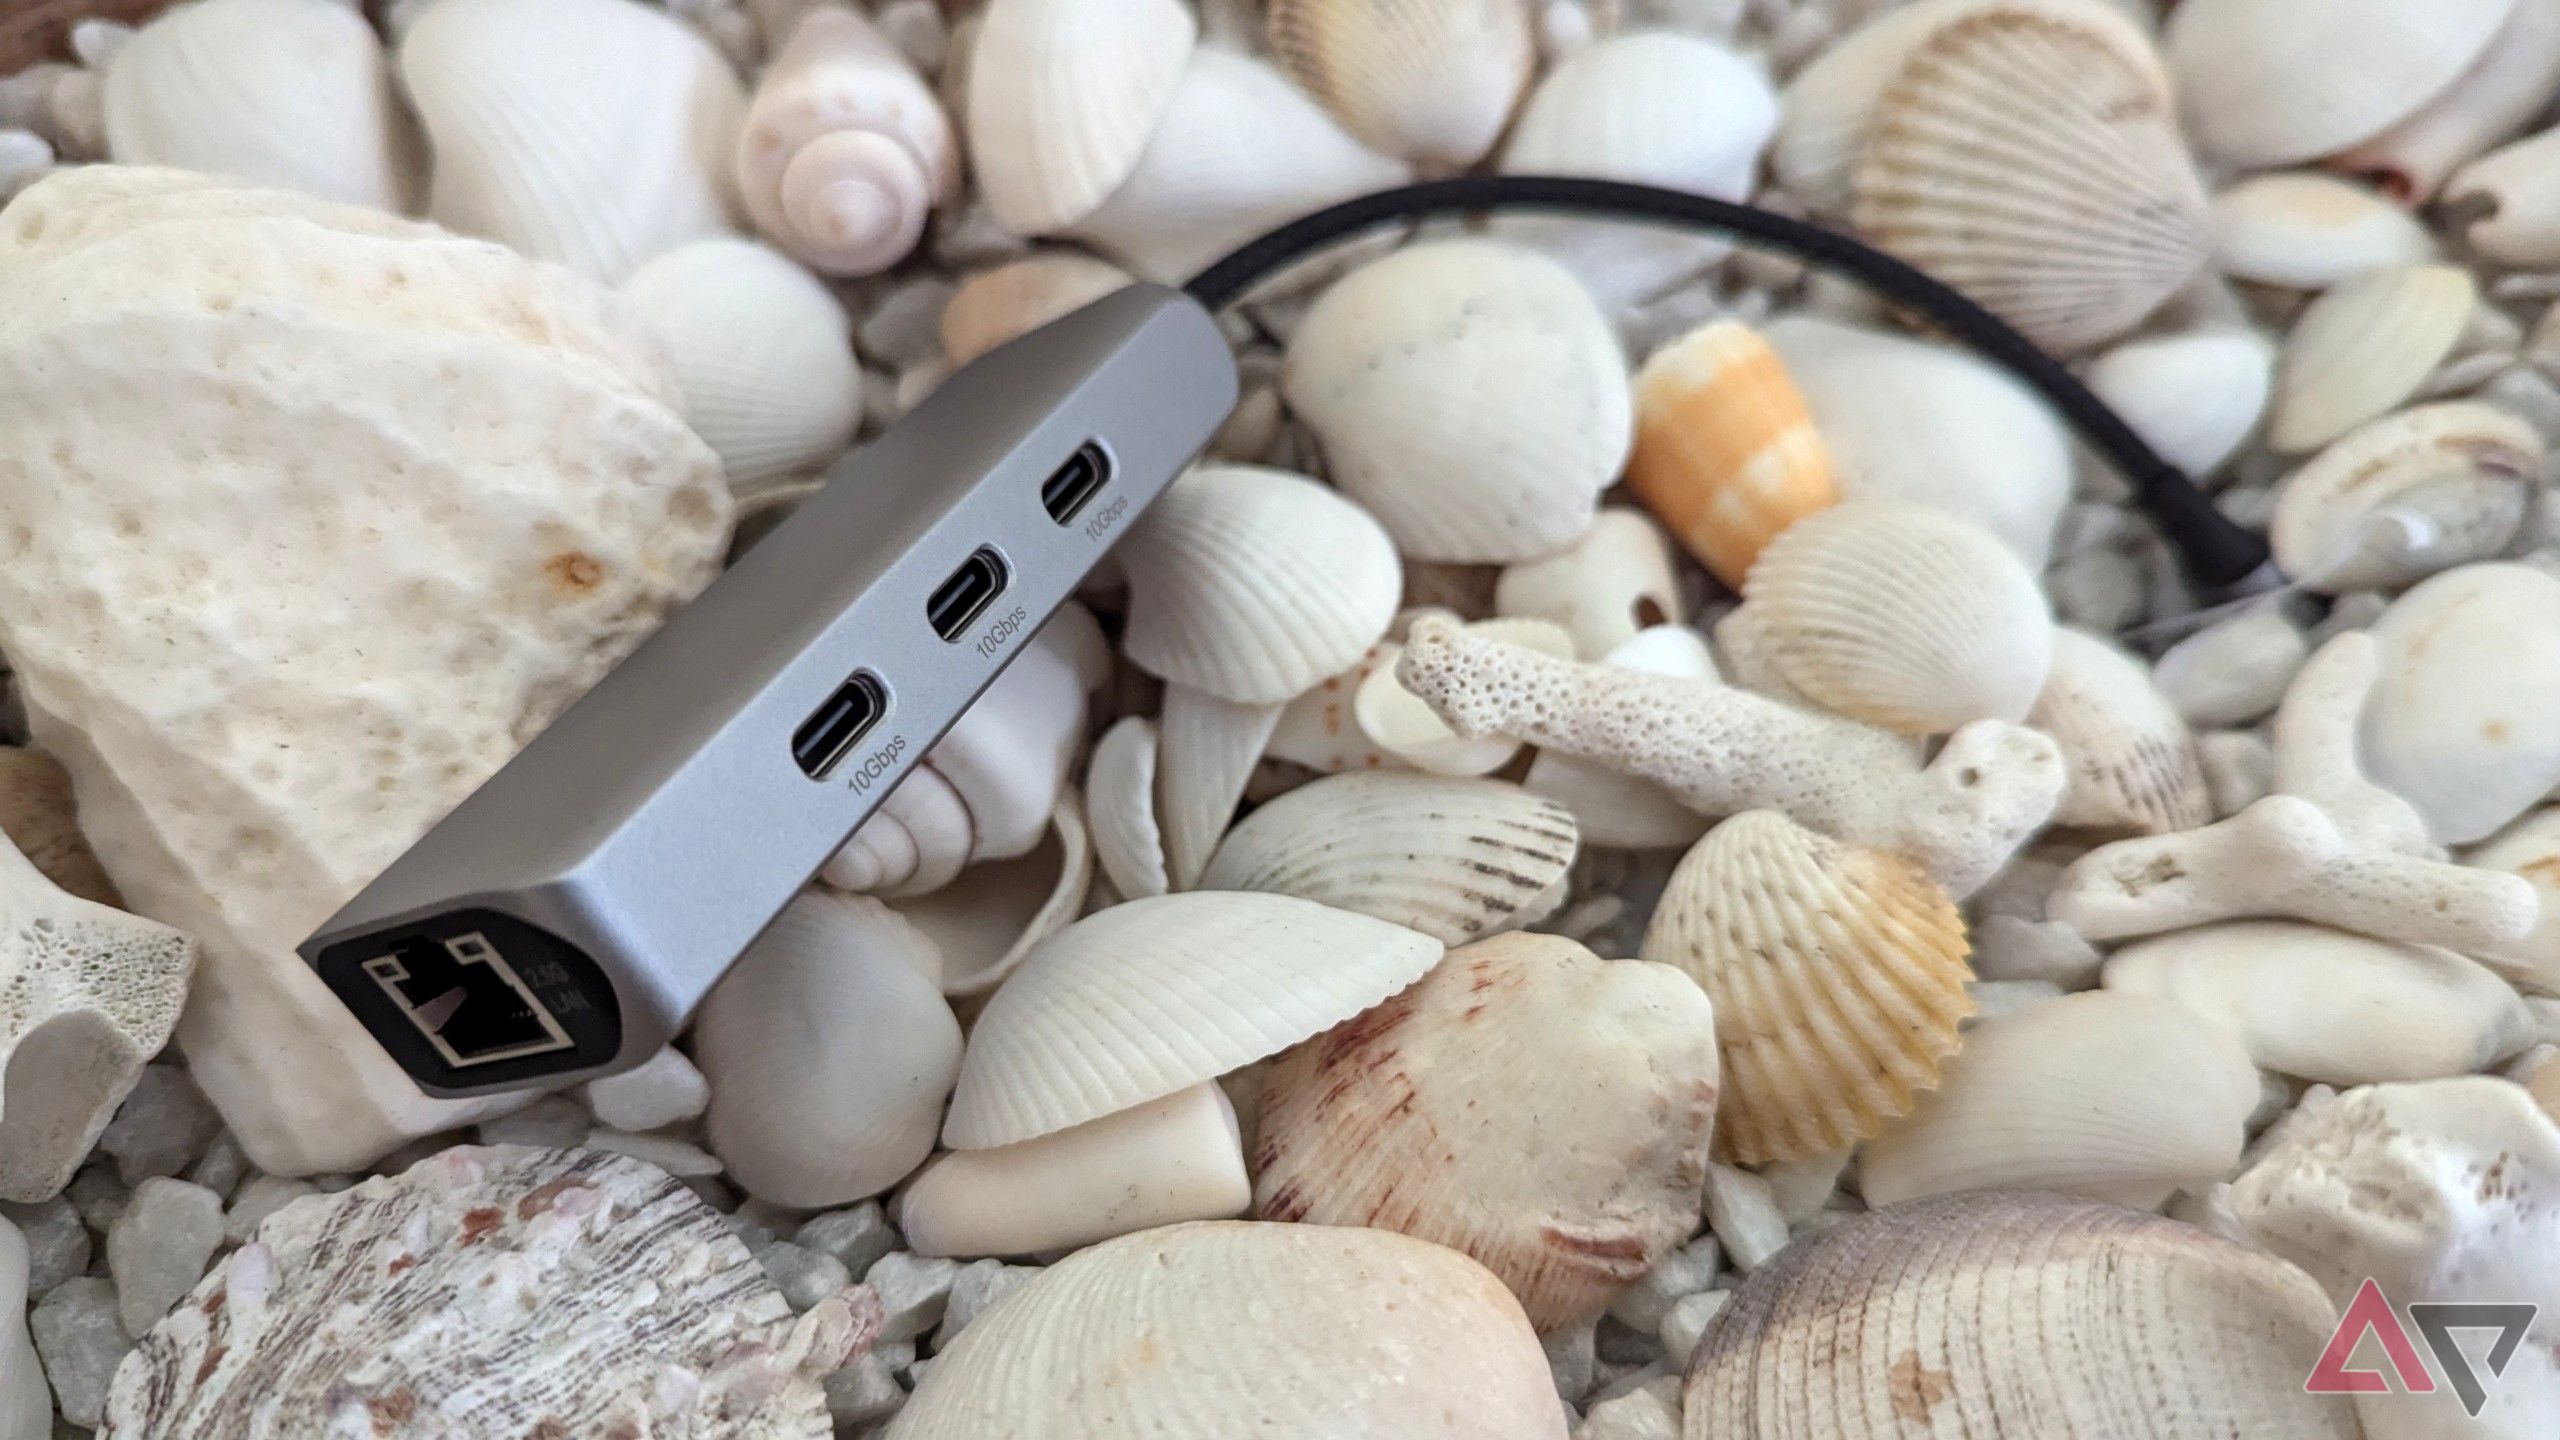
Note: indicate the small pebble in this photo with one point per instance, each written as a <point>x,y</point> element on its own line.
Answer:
<point>677,1158</point>
<point>554,1122</point>
<point>1688,1321</point>
<point>1622,1347</point>
<point>2234,670</point>
<point>1573,1358</point>
<point>1684,1272</point>
<point>2239,769</point>
<point>160,1247</point>
<point>857,1237</point>
<point>980,1284</point>
<point>914,1291</point>
<point>1803,1186</point>
<point>664,1090</point>
<point>261,1197</point>
<point>805,1277</point>
<point>972,237</point>
<point>863,1393</point>
<point>80,1341</point>
<point>905,328</point>
<point>99,1195</point>
<point>1993,999</point>
<point>2100,589</point>
<point>2009,947</point>
<point>1744,1216</point>
<point>1639,1414</point>
<point>57,1243</point>
<point>223,1167</point>
<point>161,1128</point>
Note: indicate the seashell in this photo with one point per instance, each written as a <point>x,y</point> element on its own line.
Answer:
<point>2197,398</point>
<point>1133,1003</point>
<point>1206,749</point>
<point>1252,584</point>
<point>585,1278</point>
<point>1455,859</point>
<point>1241,150</point>
<point>1838,976</point>
<point>1726,452</point>
<point>762,350</point>
<point>1470,394</point>
<point>2118,1097</point>
<point>2405,496</point>
<point>291,93</point>
<point>1317,729</point>
<point>2365,347</point>
<point>1430,81</point>
<point>2251,103</point>
<point>1287,1329</point>
<point>1012,300</point>
<point>987,921</point>
<point>1901,616</point>
<point>1412,733</point>
<point>1416,1116</point>
<point>2133,763</point>
<point>845,150</point>
<point>600,165</point>
<point>2460,723</point>
<point>2324,1005</point>
<point>918,841</point>
<point>1120,806</point>
<point>2507,203</point>
<point>2503,90</point>
<point>1064,96</point>
<point>26,1409</point>
<point>1616,811</point>
<point>2016,1314</point>
<point>1616,581</point>
<point>1170,1160</point>
<point>37,816</point>
<point>2531,848</point>
<point>2306,230</point>
<point>2034,163</point>
<point>801,1117</point>
<point>1010,751</point>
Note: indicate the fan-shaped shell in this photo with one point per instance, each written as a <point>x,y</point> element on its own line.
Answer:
<point>1318,729</point>
<point>2308,230</point>
<point>1012,300</point>
<point>845,150</point>
<point>1901,616</point>
<point>2365,347</point>
<point>2132,761</point>
<point>2407,495</point>
<point>2460,724</point>
<point>1431,81</point>
<point>1470,394</point>
<point>1135,1002</point>
<point>1206,749</point>
<point>2250,99</point>
<point>1063,97</point>
<point>2016,1314</point>
<point>2197,397</point>
<point>1120,805</point>
<point>1726,452</point>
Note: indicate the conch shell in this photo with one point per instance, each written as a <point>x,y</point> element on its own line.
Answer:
<point>845,150</point>
<point>1726,452</point>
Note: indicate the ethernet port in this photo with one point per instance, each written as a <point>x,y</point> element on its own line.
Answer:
<point>467,1001</point>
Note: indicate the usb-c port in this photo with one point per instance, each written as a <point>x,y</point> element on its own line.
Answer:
<point>827,736</point>
<point>967,594</point>
<point>1077,481</point>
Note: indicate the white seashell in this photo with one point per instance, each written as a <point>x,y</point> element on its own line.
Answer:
<point>1010,751</point>
<point>1455,859</point>
<point>2250,101</point>
<point>988,920</point>
<point>1470,394</point>
<point>1412,733</point>
<point>1295,1330</point>
<point>1317,729</point>
<point>2133,762</point>
<point>1417,1116</point>
<point>1616,581</point>
<point>2306,230</point>
<point>2365,347</point>
<point>1012,300</point>
<point>1616,811</point>
<point>1253,585</point>
<point>2405,496</point>
<point>26,1409</point>
<point>2196,397</point>
<point>1240,151</point>
<point>1170,1160</point>
<point>292,93</point>
<point>2505,88</point>
<point>844,150</point>
<point>2530,848</point>
<point>1430,81</point>
<point>1120,807</point>
<point>918,841</point>
<point>1902,616</point>
<point>1206,749</point>
<point>762,350</point>
<point>2117,1097</point>
<point>1063,97</point>
<point>600,165</point>
<point>2507,202</point>
<point>2460,724</point>
<point>801,1114</point>
<point>1153,996</point>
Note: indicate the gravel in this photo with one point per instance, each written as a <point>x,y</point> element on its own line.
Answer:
<point>57,1243</point>
<point>1688,1320</point>
<point>979,1285</point>
<point>1745,1216</point>
<point>857,1237</point>
<point>1636,1415</point>
<point>1683,1272</point>
<point>160,1247</point>
<point>914,1291</point>
<point>162,1128</point>
<point>805,1277</point>
<point>554,1122</point>
<point>81,1341</point>
<point>666,1090</point>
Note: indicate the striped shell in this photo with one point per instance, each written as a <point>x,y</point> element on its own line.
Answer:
<point>2132,761</point>
<point>2410,494</point>
<point>2252,101</point>
<point>1206,749</point>
<point>1063,97</point>
<point>1431,81</point>
<point>1726,453</point>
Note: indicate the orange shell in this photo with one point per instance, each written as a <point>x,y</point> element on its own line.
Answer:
<point>1726,453</point>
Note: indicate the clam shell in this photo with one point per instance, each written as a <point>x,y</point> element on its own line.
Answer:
<point>845,151</point>
<point>2507,202</point>
<point>1416,1118</point>
<point>1063,97</point>
<point>2506,87</point>
<point>2308,231</point>
<point>1455,859</point>
<point>2035,164</point>
<point>1620,811</point>
<point>1431,81</point>
<point>1317,729</point>
<point>1206,749</point>
<point>1838,977</point>
<point>2530,848</point>
<point>1153,996</point>
<point>1253,585</point>
<point>1290,1330</point>
<point>1470,394</point>
<point>2365,347</point>
<point>1904,617</point>
<point>2118,1097</point>
<point>1412,733</point>
<point>2015,1315</point>
<point>1009,753</point>
<point>1012,300</point>
<point>1726,452</point>
<point>1616,581</point>
<point>2460,724</point>
<point>26,1410</point>
<point>2251,101</point>
<point>2132,761</point>
<point>2408,495</point>
<point>2196,398</point>
<point>1120,808</point>
<point>986,922</point>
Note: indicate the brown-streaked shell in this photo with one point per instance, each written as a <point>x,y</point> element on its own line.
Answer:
<point>1431,81</point>
<point>2132,761</point>
<point>1726,454</point>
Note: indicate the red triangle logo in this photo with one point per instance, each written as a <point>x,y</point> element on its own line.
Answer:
<point>2370,1312</point>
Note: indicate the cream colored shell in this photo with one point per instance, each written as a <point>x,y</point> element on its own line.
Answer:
<point>845,151</point>
<point>1206,749</point>
<point>2308,230</point>
<point>1431,81</point>
<point>1063,97</point>
<point>986,923</point>
<point>2250,101</point>
<point>2196,397</point>
<point>2365,347</point>
<point>1016,298</point>
<point>2460,724</point>
<point>2405,496</point>
<point>2132,761</point>
<point>1617,582</point>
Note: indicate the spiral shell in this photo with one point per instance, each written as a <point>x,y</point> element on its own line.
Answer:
<point>1726,452</point>
<point>1063,97</point>
<point>845,151</point>
<point>2443,485</point>
<point>1431,81</point>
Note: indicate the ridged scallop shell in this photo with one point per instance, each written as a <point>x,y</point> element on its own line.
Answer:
<point>1431,81</point>
<point>2132,761</point>
<point>1904,617</point>
<point>291,93</point>
<point>2308,230</point>
<point>2016,1315</point>
<point>764,354</point>
<point>986,922</point>
<point>1253,585</point>
<point>2365,347</point>
<point>1206,749</point>
<point>2251,101</point>
<point>2118,1097</point>
<point>1615,582</point>
<point>1726,452</point>
<point>1618,811</point>
<point>2507,202</point>
<point>2035,164</point>
<point>1411,733</point>
<point>1469,393</point>
<point>1135,1002</point>
<point>2408,495</point>
<point>845,151</point>
<point>1455,859</point>
<point>1838,977</point>
<point>2461,723</point>
<point>1063,97</point>
<point>1120,807</point>
<point>2197,398</point>
<point>1014,299</point>
<point>1417,1117</point>
<point>1225,1328</point>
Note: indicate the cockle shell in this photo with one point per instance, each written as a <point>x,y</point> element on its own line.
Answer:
<point>986,922</point>
<point>292,93</point>
<point>2250,100</point>
<point>26,1409</point>
<point>2119,1097</point>
<point>2016,1315</point>
<point>1012,300</point>
<point>2308,230</point>
<point>1120,808</point>
<point>1206,749</point>
<point>2507,202</point>
<point>2507,86</point>
<point>829,1049</point>
<point>764,354</point>
<point>39,817</point>
<point>1726,452</point>
<point>1455,859</point>
<point>1619,811</point>
<point>1838,976</point>
<point>1470,394</point>
<point>2364,347</point>
<point>844,150</point>
<point>1430,81</point>
<point>600,165</point>
<point>1902,616</point>
<point>1616,581</point>
<point>2033,162</point>
<point>1063,97</point>
<point>1237,1328</point>
<point>2460,724</point>
<point>2133,762</point>
<point>2196,397</point>
<point>2408,495</point>
<point>2531,848</point>
<point>1153,996</point>
<point>1416,1117</point>
<point>1412,733</point>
